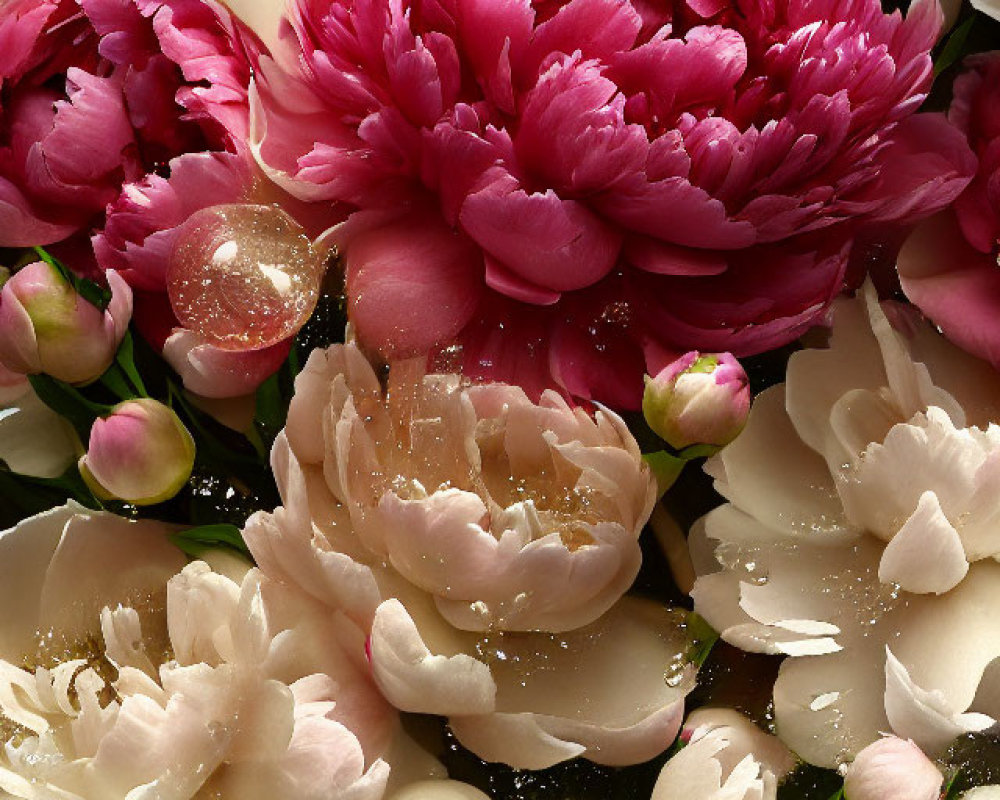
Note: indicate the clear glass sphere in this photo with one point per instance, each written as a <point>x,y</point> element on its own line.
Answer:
<point>243,276</point>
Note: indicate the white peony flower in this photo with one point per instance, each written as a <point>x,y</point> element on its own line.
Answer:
<point>989,7</point>
<point>187,684</point>
<point>439,790</point>
<point>488,541</point>
<point>982,793</point>
<point>34,439</point>
<point>860,536</point>
<point>726,757</point>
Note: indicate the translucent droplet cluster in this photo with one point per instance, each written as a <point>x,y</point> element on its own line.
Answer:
<point>243,276</point>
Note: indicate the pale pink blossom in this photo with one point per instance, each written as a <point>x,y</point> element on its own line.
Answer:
<point>47,327</point>
<point>577,192</point>
<point>487,541</point>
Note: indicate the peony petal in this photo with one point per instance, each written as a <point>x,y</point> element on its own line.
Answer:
<point>557,244</point>
<point>926,553</point>
<point>414,679</point>
<point>412,284</point>
<point>215,373</point>
<point>925,717</point>
<point>34,440</point>
<point>617,705</point>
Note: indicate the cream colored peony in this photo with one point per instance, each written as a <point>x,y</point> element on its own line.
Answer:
<point>488,541</point>
<point>127,675</point>
<point>34,440</point>
<point>860,535</point>
<point>726,757</point>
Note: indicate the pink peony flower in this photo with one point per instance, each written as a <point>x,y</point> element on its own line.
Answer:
<point>948,267</point>
<point>98,93</point>
<point>577,192</point>
<point>150,127</point>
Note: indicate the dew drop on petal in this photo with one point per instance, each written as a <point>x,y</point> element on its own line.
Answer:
<point>243,276</point>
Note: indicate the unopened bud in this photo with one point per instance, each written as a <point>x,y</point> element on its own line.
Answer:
<point>698,399</point>
<point>47,327</point>
<point>141,453</point>
<point>892,769</point>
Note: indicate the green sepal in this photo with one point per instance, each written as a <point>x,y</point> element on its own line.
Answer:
<point>93,293</point>
<point>666,468</point>
<point>195,542</point>
<point>701,639</point>
<point>69,403</point>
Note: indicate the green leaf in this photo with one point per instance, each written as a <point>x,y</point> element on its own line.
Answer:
<point>698,451</point>
<point>114,379</point>
<point>701,639</point>
<point>839,795</point>
<point>125,358</point>
<point>91,292</point>
<point>26,495</point>
<point>69,403</point>
<point>666,467</point>
<point>272,408</point>
<point>953,48</point>
<point>196,541</point>
<point>953,790</point>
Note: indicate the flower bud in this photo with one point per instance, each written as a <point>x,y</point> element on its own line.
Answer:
<point>141,453</point>
<point>46,326</point>
<point>698,399</point>
<point>892,769</point>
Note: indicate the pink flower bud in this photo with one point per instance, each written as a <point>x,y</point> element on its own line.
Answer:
<point>141,453</point>
<point>698,399</point>
<point>892,769</point>
<point>45,326</point>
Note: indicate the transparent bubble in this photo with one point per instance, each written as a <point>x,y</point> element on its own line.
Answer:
<point>243,276</point>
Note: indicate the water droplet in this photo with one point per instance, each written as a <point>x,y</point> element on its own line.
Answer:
<point>243,276</point>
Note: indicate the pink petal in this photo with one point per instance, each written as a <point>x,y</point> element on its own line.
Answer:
<point>412,283</point>
<point>140,228</point>
<point>926,166</point>
<point>19,225</point>
<point>596,28</point>
<point>558,244</point>
<point>572,132</point>
<point>955,285</point>
<point>214,373</point>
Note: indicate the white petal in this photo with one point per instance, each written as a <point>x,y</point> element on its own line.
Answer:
<point>771,475</point>
<point>414,679</point>
<point>438,790</point>
<point>925,717</point>
<point>34,440</point>
<point>25,552</point>
<point>926,554</point>
<point>828,708</point>
<point>601,687</point>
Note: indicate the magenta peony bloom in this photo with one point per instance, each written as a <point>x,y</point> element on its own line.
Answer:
<point>948,267</point>
<point>98,93</point>
<point>123,118</point>
<point>577,192</point>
